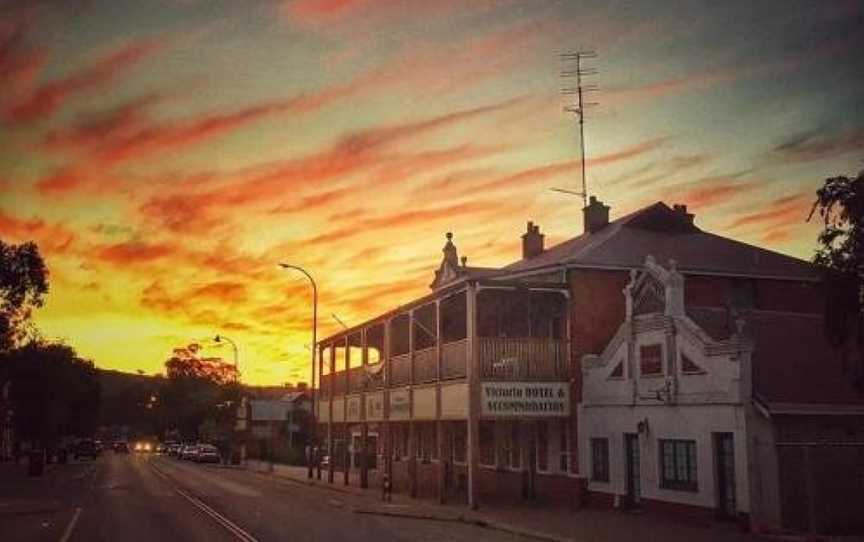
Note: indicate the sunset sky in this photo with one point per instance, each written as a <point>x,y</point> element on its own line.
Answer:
<point>167,154</point>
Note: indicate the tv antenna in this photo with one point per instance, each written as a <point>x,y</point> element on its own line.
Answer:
<point>574,68</point>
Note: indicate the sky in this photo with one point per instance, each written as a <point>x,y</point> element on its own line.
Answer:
<point>166,155</point>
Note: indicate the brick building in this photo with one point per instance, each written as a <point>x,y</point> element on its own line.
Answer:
<point>472,391</point>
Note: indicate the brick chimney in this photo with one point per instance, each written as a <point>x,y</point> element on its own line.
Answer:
<point>681,212</point>
<point>596,215</point>
<point>532,242</point>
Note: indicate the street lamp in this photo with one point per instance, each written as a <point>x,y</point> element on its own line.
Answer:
<point>219,339</point>
<point>314,340</point>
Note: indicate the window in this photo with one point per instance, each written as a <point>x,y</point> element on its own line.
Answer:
<point>426,442</point>
<point>374,344</point>
<point>425,327</point>
<point>563,448</point>
<point>487,443</point>
<point>600,459</point>
<point>542,447</point>
<point>618,371</point>
<point>678,465</point>
<point>399,331</point>
<point>651,360</point>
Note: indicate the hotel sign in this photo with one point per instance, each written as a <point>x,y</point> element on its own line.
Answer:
<point>524,399</point>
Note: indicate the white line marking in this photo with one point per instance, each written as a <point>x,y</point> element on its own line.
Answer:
<point>229,525</point>
<point>68,532</point>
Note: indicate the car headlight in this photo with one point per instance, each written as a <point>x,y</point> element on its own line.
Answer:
<point>147,447</point>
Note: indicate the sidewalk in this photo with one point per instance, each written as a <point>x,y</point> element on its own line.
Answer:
<point>543,523</point>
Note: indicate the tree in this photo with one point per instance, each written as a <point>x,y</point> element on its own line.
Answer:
<point>23,285</point>
<point>54,391</point>
<point>840,258</point>
<point>198,389</point>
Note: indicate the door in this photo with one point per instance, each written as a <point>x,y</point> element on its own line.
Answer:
<point>631,454</point>
<point>724,465</point>
<point>372,449</point>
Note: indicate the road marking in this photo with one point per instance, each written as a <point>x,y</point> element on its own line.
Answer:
<point>68,532</point>
<point>232,527</point>
<point>229,525</point>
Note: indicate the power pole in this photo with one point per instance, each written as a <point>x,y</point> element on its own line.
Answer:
<point>574,68</point>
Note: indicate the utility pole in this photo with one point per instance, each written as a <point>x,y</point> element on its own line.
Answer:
<point>574,68</point>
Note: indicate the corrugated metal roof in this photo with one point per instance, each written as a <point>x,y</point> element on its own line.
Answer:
<point>661,232</point>
<point>269,409</point>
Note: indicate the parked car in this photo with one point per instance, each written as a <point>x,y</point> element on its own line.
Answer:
<point>189,452</point>
<point>207,453</point>
<point>86,448</point>
<point>121,447</point>
<point>173,449</point>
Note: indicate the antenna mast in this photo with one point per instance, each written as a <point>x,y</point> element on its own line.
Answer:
<point>578,109</point>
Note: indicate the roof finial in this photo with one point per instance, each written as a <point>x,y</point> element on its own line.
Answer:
<point>450,254</point>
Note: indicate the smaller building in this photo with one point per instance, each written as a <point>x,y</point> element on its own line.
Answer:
<point>733,411</point>
<point>276,427</point>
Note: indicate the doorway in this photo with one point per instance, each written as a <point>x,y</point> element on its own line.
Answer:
<point>631,455</point>
<point>724,467</point>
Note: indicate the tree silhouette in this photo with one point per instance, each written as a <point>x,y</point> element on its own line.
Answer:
<point>840,258</point>
<point>54,391</point>
<point>23,285</point>
<point>198,389</point>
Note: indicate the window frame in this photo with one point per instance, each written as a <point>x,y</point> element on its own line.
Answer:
<point>659,374</point>
<point>691,467</point>
<point>600,461</point>
<point>563,446</point>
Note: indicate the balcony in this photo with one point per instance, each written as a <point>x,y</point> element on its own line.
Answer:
<point>425,366</point>
<point>357,379</point>
<point>453,359</point>
<point>400,370</point>
<point>523,359</point>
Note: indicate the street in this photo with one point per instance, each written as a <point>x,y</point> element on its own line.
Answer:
<point>143,497</point>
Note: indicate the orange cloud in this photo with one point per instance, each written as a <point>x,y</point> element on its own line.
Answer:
<point>710,195</point>
<point>532,175</point>
<point>362,151</point>
<point>52,238</point>
<point>780,212</point>
<point>43,101</point>
<point>406,219</point>
<point>129,253</point>
<point>231,292</point>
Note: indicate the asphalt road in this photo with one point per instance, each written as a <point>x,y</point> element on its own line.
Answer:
<point>155,498</point>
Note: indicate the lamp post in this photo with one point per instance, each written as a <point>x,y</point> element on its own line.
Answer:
<point>314,344</point>
<point>219,339</point>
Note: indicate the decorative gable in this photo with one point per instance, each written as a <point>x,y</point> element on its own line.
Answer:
<point>449,270</point>
<point>655,290</point>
